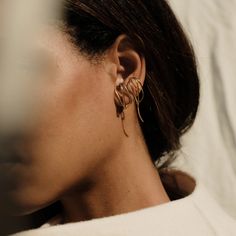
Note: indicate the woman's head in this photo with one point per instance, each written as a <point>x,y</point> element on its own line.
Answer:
<point>77,131</point>
<point>171,85</point>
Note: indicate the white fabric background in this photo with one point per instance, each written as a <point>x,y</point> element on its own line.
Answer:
<point>209,149</point>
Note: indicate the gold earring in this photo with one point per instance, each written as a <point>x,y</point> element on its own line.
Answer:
<point>125,94</point>
<point>122,100</point>
<point>135,87</point>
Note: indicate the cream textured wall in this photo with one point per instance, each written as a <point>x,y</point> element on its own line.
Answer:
<point>209,149</point>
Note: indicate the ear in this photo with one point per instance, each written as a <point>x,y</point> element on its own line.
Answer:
<point>128,62</point>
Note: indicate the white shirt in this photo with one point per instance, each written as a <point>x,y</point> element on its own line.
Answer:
<point>195,214</point>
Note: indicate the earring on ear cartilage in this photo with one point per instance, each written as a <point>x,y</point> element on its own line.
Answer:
<point>125,94</point>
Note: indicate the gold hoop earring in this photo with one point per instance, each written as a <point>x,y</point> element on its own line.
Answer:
<point>125,94</point>
<point>122,100</point>
<point>135,87</point>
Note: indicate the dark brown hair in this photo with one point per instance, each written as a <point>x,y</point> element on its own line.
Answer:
<point>171,86</point>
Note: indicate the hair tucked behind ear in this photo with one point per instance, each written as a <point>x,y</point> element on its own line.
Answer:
<point>171,86</point>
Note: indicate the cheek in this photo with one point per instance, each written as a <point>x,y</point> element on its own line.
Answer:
<point>76,130</point>
<point>78,113</point>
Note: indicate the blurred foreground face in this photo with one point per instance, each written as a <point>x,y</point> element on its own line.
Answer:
<point>75,131</point>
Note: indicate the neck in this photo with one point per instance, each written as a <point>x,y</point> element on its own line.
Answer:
<point>127,182</point>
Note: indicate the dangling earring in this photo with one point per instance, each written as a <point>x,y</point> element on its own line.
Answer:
<point>125,94</point>
<point>135,87</point>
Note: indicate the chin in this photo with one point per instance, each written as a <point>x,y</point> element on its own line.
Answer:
<point>19,204</point>
<point>17,215</point>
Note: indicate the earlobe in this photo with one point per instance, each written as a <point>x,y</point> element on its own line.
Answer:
<point>127,92</point>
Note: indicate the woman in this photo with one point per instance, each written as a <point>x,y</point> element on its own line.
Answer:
<point>121,89</point>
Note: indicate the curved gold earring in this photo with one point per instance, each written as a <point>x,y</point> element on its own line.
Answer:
<point>135,87</point>
<point>125,94</point>
<point>122,98</point>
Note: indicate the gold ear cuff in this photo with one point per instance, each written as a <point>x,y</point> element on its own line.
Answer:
<point>125,94</point>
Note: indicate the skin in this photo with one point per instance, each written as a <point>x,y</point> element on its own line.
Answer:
<point>76,150</point>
